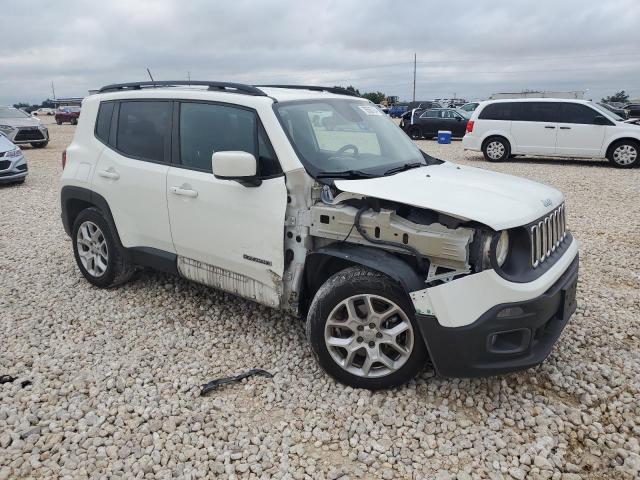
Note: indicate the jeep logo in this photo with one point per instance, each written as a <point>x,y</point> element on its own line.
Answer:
<point>547,202</point>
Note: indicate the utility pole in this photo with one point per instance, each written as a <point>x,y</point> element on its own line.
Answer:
<point>189,76</point>
<point>53,90</point>
<point>414,76</point>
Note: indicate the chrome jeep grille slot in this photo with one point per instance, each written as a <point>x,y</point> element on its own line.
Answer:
<point>546,235</point>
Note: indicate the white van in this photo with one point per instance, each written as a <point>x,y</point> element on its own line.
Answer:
<point>552,127</point>
<point>314,202</point>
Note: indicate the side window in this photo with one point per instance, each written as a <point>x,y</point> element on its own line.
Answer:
<point>576,113</point>
<point>432,114</point>
<point>207,128</point>
<point>539,111</point>
<point>497,111</point>
<point>103,122</point>
<point>144,129</point>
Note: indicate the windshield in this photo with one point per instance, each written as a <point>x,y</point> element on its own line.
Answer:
<point>346,136</point>
<point>607,112</point>
<point>10,112</point>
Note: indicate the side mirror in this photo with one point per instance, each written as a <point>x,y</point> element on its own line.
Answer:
<point>600,120</point>
<point>239,166</point>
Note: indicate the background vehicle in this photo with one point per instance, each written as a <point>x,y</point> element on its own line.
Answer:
<point>43,111</point>
<point>396,111</point>
<point>68,114</point>
<point>621,112</point>
<point>384,108</point>
<point>470,107</point>
<point>632,110</point>
<point>383,249</point>
<point>428,122</point>
<point>552,127</point>
<point>21,128</point>
<point>13,165</point>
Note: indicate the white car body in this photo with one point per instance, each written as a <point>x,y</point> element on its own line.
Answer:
<point>550,138</point>
<point>13,165</point>
<point>235,238</point>
<point>44,111</point>
<point>21,128</point>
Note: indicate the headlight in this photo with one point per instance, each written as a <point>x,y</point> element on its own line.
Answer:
<point>501,249</point>
<point>6,128</point>
<point>16,152</point>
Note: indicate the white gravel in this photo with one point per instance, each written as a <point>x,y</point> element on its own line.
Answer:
<point>116,373</point>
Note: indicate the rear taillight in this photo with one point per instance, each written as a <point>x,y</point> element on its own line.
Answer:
<point>64,158</point>
<point>470,126</point>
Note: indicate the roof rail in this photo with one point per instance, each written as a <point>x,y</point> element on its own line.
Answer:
<point>315,88</point>
<point>222,86</point>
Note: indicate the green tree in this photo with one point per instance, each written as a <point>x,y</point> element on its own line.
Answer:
<point>375,97</point>
<point>350,88</point>
<point>620,97</point>
<point>20,105</point>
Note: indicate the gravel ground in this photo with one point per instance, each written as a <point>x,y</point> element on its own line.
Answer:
<point>116,373</point>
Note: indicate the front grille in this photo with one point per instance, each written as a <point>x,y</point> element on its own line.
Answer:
<point>27,134</point>
<point>4,164</point>
<point>546,235</point>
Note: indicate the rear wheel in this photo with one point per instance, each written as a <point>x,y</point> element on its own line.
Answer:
<point>624,154</point>
<point>58,121</point>
<point>362,330</point>
<point>74,121</point>
<point>100,257</point>
<point>415,133</point>
<point>496,149</point>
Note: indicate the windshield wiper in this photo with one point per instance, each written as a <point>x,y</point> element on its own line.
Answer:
<point>345,174</point>
<point>403,167</point>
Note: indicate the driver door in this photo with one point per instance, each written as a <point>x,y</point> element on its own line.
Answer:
<point>226,235</point>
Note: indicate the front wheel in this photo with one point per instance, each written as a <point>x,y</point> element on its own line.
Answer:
<point>362,330</point>
<point>100,257</point>
<point>624,154</point>
<point>415,133</point>
<point>496,149</point>
<point>74,121</point>
<point>58,121</point>
<point>39,144</point>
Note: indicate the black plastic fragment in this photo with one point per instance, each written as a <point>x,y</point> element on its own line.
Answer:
<point>213,384</point>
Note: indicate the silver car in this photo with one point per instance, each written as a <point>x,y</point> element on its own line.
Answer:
<point>13,165</point>
<point>21,128</point>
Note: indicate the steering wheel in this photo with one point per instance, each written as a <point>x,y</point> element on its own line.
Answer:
<point>350,146</point>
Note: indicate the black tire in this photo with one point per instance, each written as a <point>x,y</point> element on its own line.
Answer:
<point>415,133</point>
<point>119,269</point>
<point>74,121</point>
<point>21,181</point>
<point>356,281</point>
<point>39,144</point>
<point>629,159</point>
<point>494,145</point>
<point>58,121</point>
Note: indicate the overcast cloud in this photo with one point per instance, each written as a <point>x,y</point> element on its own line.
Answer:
<point>470,48</point>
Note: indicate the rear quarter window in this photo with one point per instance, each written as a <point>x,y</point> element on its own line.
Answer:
<point>497,111</point>
<point>103,122</point>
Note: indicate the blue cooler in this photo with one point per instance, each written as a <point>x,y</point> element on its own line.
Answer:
<point>444,136</point>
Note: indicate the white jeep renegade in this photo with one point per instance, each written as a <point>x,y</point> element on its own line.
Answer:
<point>313,201</point>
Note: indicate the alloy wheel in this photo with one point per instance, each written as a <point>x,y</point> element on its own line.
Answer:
<point>92,249</point>
<point>625,155</point>
<point>369,336</point>
<point>495,150</point>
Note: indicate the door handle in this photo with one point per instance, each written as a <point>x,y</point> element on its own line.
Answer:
<point>549,126</point>
<point>111,173</point>
<point>565,128</point>
<point>184,192</point>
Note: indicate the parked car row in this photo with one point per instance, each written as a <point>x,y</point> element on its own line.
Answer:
<point>427,123</point>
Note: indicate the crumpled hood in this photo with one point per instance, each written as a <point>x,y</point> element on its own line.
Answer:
<point>497,200</point>
<point>20,122</point>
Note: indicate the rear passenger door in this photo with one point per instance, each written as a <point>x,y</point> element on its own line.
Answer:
<point>226,235</point>
<point>578,135</point>
<point>534,127</point>
<point>131,173</point>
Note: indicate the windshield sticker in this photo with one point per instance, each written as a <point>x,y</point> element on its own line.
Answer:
<point>370,109</point>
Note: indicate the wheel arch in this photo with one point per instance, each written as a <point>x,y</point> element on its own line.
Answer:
<point>321,264</point>
<point>75,199</point>
<point>618,140</point>
<point>492,135</point>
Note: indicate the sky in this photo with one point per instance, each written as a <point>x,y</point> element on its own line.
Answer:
<point>466,48</point>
